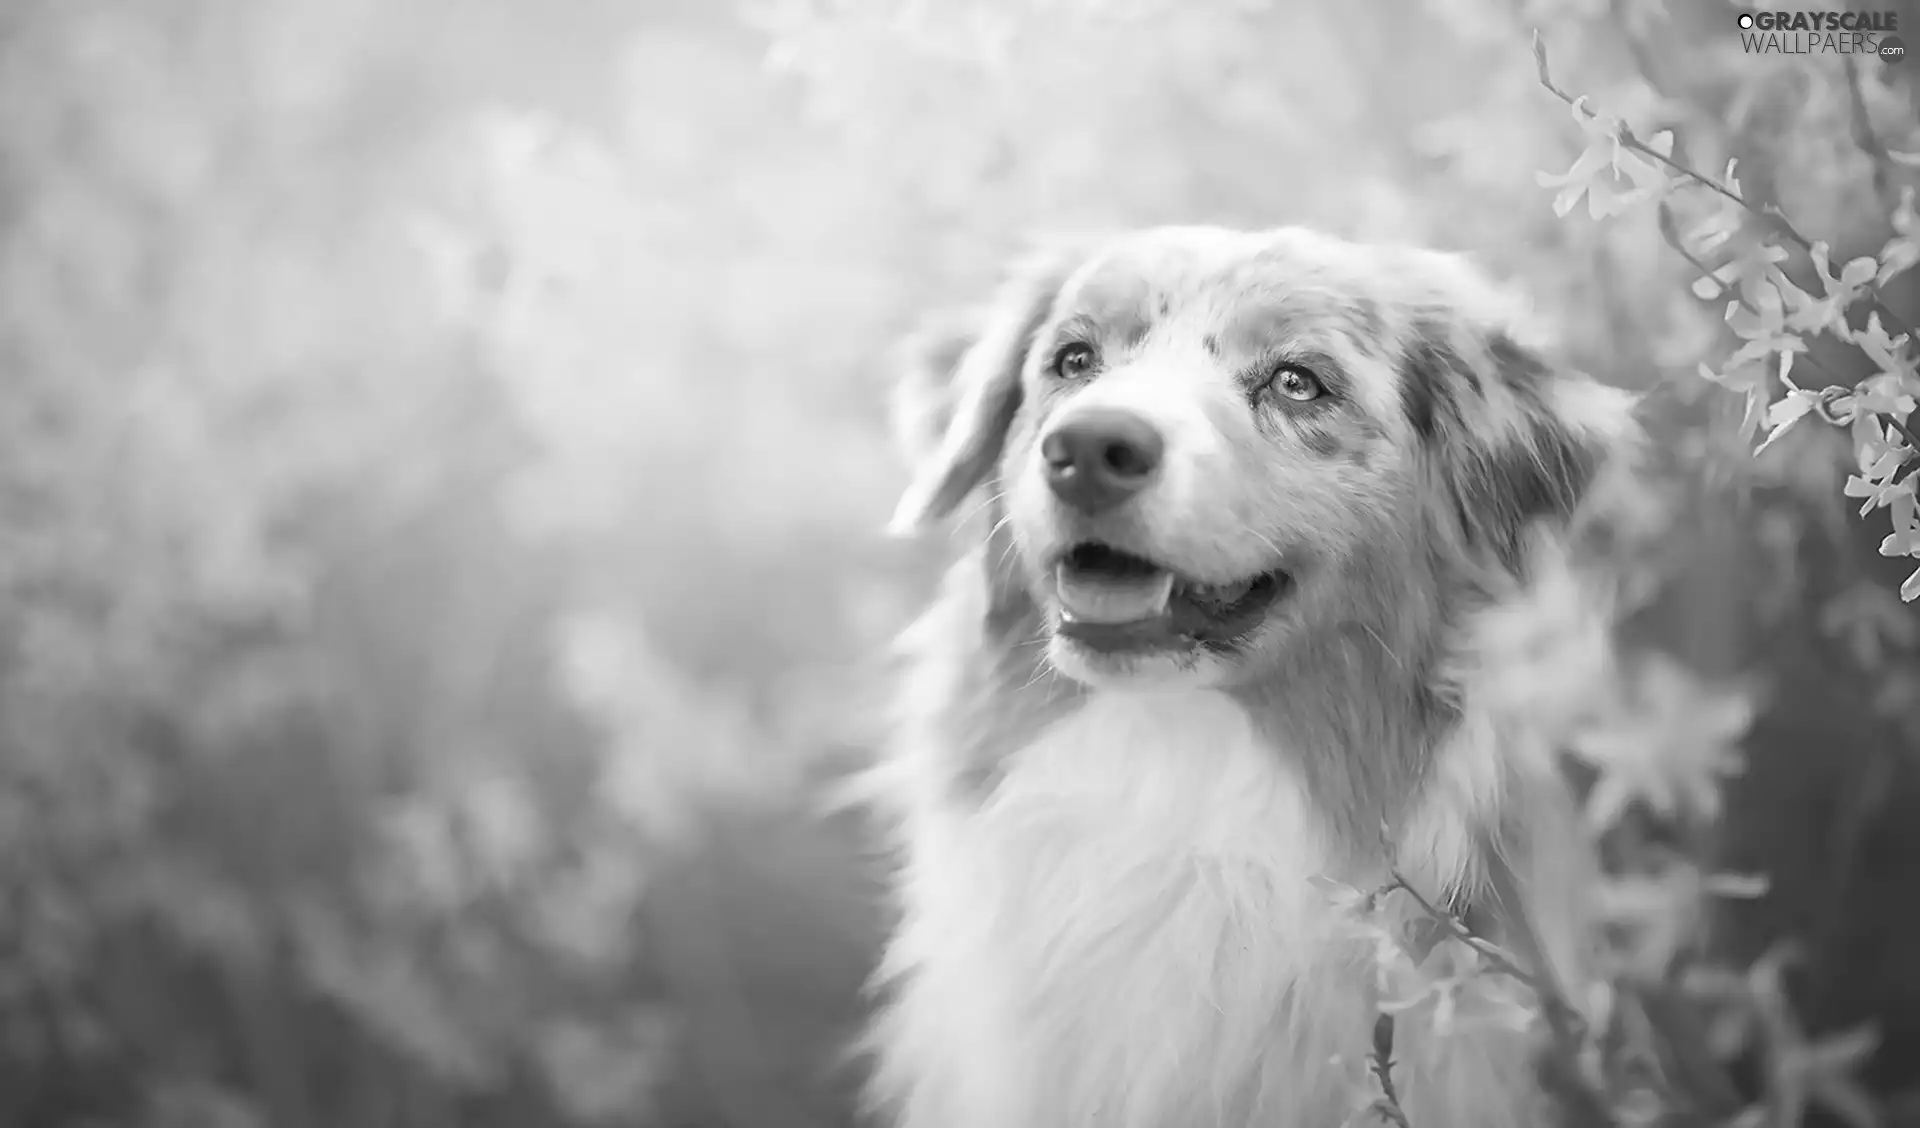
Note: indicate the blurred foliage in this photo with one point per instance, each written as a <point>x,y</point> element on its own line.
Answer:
<point>443,451</point>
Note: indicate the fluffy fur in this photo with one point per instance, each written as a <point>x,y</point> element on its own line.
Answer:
<point>1108,912</point>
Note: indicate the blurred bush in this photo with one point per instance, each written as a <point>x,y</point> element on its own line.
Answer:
<point>443,450</point>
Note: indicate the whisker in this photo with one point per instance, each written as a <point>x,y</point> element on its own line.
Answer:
<point>1266,540</point>
<point>1383,645</point>
<point>987,499</point>
<point>1006,550</point>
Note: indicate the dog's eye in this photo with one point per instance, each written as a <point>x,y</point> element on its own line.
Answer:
<point>1296,383</point>
<point>1073,361</point>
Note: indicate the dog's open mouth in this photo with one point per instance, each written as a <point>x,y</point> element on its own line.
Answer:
<point>1114,600</point>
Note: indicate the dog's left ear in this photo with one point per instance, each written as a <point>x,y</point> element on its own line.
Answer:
<point>963,383</point>
<point>1514,440</point>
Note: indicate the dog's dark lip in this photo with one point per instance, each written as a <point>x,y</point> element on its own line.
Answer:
<point>1215,615</point>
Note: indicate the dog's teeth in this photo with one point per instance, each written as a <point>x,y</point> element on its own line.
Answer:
<point>1092,599</point>
<point>1223,593</point>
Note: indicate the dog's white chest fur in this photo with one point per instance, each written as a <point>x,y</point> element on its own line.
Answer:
<point>1125,935</point>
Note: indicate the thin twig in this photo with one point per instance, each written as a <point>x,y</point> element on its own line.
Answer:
<point>1566,1021</point>
<point>1381,1062</point>
<point>1626,137</point>
<point>1459,931</point>
<point>1863,133</point>
<point>1905,431</point>
<point>1670,232</point>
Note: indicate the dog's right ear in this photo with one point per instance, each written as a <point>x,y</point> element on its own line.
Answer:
<point>961,389</point>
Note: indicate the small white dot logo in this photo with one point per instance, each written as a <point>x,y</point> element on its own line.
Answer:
<point>1746,21</point>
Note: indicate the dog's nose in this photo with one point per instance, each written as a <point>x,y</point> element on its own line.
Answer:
<point>1099,458</point>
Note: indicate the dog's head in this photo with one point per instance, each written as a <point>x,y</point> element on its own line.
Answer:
<point>1201,443</point>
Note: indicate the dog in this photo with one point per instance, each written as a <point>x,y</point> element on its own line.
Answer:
<point>1233,503</point>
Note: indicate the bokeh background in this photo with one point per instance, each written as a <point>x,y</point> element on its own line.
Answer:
<point>443,453</point>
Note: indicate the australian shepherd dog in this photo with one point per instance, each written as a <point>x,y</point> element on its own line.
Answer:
<point>1232,504</point>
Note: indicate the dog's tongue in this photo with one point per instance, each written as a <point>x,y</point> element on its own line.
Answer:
<point>1093,598</point>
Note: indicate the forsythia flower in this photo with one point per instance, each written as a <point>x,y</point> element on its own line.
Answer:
<point>1606,150</point>
<point>1828,313</point>
<point>1669,751</point>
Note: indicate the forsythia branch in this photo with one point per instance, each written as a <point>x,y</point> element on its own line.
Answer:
<point>1768,212</point>
<point>1567,1026</point>
<point>1876,414</point>
<point>1670,233</point>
